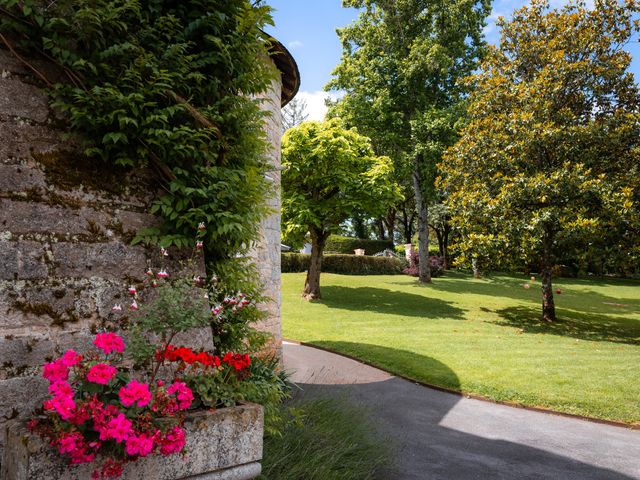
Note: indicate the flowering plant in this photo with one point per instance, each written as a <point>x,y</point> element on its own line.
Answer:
<point>97,407</point>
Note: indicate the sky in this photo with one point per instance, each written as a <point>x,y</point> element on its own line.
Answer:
<point>308,29</point>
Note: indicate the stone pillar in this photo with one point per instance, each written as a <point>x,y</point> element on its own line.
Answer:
<point>267,253</point>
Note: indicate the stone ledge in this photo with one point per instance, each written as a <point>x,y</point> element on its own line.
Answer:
<point>224,444</point>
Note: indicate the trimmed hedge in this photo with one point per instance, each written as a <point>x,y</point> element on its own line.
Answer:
<point>345,264</point>
<point>347,245</point>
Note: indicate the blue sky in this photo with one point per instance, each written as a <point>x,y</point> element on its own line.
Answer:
<point>307,28</point>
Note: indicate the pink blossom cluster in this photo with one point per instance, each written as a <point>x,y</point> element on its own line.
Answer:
<point>76,416</point>
<point>109,342</point>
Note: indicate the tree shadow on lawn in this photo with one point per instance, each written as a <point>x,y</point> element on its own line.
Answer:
<point>509,287</point>
<point>380,300</point>
<point>437,435</point>
<point>584,326</point>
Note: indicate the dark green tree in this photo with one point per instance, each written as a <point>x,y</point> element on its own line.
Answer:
<point>401,65</point>
<point>549,160</point>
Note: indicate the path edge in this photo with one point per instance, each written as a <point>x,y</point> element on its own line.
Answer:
<point>474,396</point>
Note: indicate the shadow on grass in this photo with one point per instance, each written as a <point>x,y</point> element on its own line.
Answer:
<point>512,287</point>
<point>380,300</point>
<point>429,441</point>
<point>584,326</point>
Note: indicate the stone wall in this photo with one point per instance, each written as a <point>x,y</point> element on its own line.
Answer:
<point>267,252</point>
<point>65,231</point>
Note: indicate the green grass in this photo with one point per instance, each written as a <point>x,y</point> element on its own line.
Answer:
<point>327,440</point>
<point>484,337</point>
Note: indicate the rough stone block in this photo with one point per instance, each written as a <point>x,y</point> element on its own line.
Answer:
<point>19,99</point>
<point>22,260</point>
<point>224,444</point>
<point>20,140</point>
<point>134,221</point>
<point>17,178</point>
<point>31,217</point>
<point>112,260</point>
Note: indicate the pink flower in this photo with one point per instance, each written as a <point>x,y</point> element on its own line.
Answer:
<point>202,226</point>
<point>101,373</point>
<point>63,406</point>
<point>55,371</point>
<point>118,428</point>
<point>61,389</point>
<point>134,305</point>
<point>70,358</point>
<point>199,245</point>
<point>70,442</point>
<point>183,394</point>
<point>109,342</point>
<point>139,445</point>
<point>163,273</point>
<point>132,290</point>
<point>173,441</point>
<point>135,393</point>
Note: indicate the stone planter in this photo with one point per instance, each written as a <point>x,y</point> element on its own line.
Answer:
<point>224,444</point>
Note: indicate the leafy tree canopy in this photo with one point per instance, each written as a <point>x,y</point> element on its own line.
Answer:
<point>544,164</point>
<point>400,67</point>
<point>329,172</point>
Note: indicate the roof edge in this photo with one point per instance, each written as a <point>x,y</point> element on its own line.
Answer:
<point>287,65</point>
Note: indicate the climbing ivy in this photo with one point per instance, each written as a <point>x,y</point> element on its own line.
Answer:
<point>170,85</point>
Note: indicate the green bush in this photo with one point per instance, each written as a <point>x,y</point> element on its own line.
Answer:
<point>345,264</point>
<point>347,245</point>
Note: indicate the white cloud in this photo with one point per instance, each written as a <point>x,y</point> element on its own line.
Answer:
<point>295,44</point>
<point>316,109</point>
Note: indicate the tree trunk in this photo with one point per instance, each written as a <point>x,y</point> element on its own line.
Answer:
<point>407,225</point>
<point>312,282</point>
<point>445,245</point>
<point>424,268</point>
<point>474,267</point>
<point>548,305</point>
<point>380,225</point>
<point>390,223</point>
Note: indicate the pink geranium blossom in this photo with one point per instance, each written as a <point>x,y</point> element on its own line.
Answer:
<point>101,373</point>
<point>135,393</point>
<point>173,441</point>
<point>63,406</point>
<point>109,342</point>
<point>183,394</point>
<point>141,445</point>
<point>55,371</point>
<point>119,428</point>
<point>70,358</point>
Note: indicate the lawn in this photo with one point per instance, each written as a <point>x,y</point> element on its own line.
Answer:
<point>483,336</point>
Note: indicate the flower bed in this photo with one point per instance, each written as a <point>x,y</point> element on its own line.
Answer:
<point>224,443</point>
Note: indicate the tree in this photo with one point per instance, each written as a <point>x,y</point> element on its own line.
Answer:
<point>400,67</point>
<point>294,113</point>
<point>329,172</point>
<point>554,129</point>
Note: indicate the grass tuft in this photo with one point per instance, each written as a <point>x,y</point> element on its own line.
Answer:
<point>324,440</point>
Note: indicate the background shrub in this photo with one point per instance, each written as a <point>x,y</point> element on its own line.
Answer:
<point>347,245</point>
<point>345,264</point>
<point>437,266</point>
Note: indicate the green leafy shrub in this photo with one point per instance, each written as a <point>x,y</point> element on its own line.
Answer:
<point>155,84</point>
<point>345,264</point>
<point>347,245</point>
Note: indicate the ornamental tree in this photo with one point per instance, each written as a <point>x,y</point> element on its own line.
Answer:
<point>329,172</point>
<point>543,166</point>
<point>400,67</point>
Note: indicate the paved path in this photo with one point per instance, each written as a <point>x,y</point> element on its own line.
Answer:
<point>440,436</point>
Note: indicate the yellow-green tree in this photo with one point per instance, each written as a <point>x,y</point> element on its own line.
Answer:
<point>329,173</point>
<point>544,163</point>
